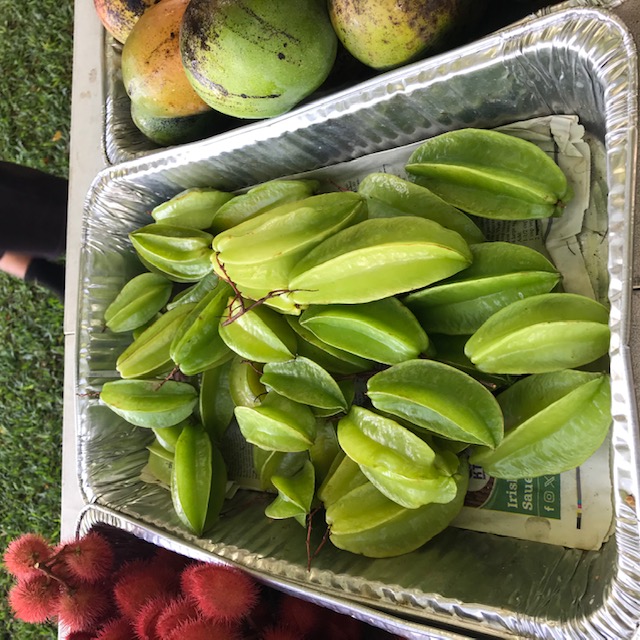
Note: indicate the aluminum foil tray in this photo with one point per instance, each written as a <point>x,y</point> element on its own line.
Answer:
<point>123,141</point>
<point>575,61</point>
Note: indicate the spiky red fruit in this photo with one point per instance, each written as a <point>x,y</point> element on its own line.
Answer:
<point>139,582</point>
<point>35,599</point>
<point>204,629</point>
<point>116,629</point>
<point>24,553</point>
<point>344,627</point>
<point>80,635</point>
<point>177,611</point>
<point>300,614</point>
<point>172,559</point>
<point>281,633</point>
<point>221,593</point>
<point>145,623</point>
<point>82,609</point>
<point>89,558</point>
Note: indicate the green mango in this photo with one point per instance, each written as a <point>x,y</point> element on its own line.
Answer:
<point>256,59</point>
<point>387,34</point>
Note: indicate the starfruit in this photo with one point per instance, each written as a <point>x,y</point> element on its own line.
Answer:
<point>149,354</point>
<point>290,229</point>
<point>215,402</point>
<point>388,255</point>
<point>245,387</point>
<point>256,332</point>
<point>194,208</point>
<point>501,273</point>
<point>547,332</point>
<point>168,436</point>
<point>388,195</point>
<point>149,403</point>
<point>554,422</point>
<point>343,476</point>
<point>324,449</point>
<point>491,174</point>
<point>197,345</point>
<point>397,462</point>
<point>138,301</point>
<point>295,495</point>
<point>198,480</point>
<point>382,330</point>
<point>180,253</point>
<point>304,381</point>
<point>330,358</point>
<point>440,399</point>
<point>158,468</point>
<point>260,199</point>
<point>347,387</point>
<point>264,281</point>
<point>277,424</point>
<point>276,463</point>
<point>366,522</point>
<point>449,350</point>
<point>195,292</point>
<point>157,449</point>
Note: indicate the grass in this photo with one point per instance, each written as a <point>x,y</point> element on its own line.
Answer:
<point>35,85</point>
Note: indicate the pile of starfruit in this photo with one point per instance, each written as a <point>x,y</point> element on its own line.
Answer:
<point>369,345</point>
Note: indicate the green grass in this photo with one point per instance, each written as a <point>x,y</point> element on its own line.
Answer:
<point>35,90</point>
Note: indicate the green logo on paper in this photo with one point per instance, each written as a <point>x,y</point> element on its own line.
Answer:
<point>527,496</point>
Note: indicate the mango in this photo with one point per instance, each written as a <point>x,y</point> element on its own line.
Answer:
<point>152,69</point>
<point>386,34</point>
<point>119,16</point>
<point>177,130</point>
<point>256,59</point>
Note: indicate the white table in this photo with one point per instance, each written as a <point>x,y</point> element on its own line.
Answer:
<point>85,161</point>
